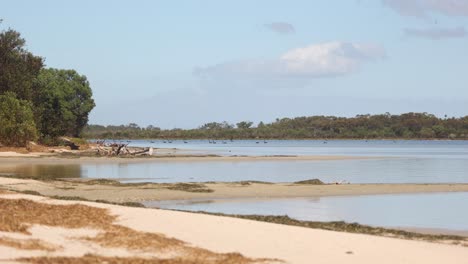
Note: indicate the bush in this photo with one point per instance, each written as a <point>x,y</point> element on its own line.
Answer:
<point>17,125</point>
<point>63,103</point>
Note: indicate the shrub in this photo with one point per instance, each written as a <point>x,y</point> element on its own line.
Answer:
<point>17,125</point>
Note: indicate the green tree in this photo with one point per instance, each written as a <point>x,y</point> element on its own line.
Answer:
<point>63,103</point>
<point>244,125</point>
<point>427,132</point>
<point>440,131</point>
<point>17,125</point>
<point>18,67</point>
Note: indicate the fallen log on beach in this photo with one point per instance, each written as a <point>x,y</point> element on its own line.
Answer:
<point>146,151</point>
<point>115,149</point>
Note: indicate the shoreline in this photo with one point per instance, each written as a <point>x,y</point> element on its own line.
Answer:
<point>154,233</point>
<point>284,139</point>
<point>58,159</point>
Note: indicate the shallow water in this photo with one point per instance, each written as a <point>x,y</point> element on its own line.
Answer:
<point>398,162</point>
<point>387,148</point>
<point>354,171</point>
<point>427,211</point>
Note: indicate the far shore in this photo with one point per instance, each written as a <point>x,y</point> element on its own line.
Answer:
<point>285,139</point>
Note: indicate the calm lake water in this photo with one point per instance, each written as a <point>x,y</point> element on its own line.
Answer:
<point>387,148</point>
<point>397,162</point>
<point>427,211</point>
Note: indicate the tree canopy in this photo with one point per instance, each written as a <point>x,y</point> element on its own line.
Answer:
<point>18,67</point>
<point>63,102</point>
<point>54,101</point>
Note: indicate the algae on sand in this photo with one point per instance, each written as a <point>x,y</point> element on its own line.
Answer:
<point>311,182</point>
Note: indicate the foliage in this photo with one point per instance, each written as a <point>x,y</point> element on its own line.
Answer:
<point>59,100</point>
<point>63,102</point>
<point>244,125</point>
<point>18,67</point>
<point>17,125</point>
<point>407,126</point>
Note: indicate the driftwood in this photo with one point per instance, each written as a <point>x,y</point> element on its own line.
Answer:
<point>117,149</point>
<point>70,143</point>
<point>145,151</point>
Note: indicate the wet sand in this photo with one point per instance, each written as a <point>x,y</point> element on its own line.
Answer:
<point>115,192</point>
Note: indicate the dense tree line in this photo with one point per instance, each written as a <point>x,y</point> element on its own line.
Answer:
<point>38,103</point>
<point>407,126</point>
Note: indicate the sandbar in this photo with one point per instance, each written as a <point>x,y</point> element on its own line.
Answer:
<point>120,193</point>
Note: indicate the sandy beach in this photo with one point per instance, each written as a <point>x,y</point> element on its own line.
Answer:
<point>185,237</point>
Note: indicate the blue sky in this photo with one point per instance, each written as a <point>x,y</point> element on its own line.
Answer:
<point>184,63</point>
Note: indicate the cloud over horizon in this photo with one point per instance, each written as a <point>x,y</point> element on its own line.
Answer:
<point>281,28</point>
<point>328,59</point>
<point>421,8</point>
<point>436,34</point>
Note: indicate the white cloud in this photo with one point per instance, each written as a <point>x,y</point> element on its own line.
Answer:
<point>333,58</point>
<point>422,8</point>
<point>319,60</point>
<point>449,7</point>
<point>434,33</point>
<point>281,27</point>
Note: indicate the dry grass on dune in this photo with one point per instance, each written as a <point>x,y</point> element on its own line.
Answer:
<point>27,244</point>
<point>120,236</point>
<point>91,259</point>
<point>17,215</point>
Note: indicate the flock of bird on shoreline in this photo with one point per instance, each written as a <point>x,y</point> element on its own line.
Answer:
<point>213,141</point>
<point>209,141</point>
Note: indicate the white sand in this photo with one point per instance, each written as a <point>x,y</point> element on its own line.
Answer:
<point>293,244</point>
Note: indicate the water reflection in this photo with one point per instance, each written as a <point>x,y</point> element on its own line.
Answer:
<point>354,171</point>
<point>401,162</point>
<point>433,211</point>
<point>392,170</point>
<point>43,171</point>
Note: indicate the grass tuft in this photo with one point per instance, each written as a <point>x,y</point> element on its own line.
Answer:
<point>190,187</point>
<point>342,226</point>
<point>311,182</point>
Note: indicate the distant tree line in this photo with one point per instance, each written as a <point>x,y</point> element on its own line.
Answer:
<point>405,126</point>
<point>38,103</point>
